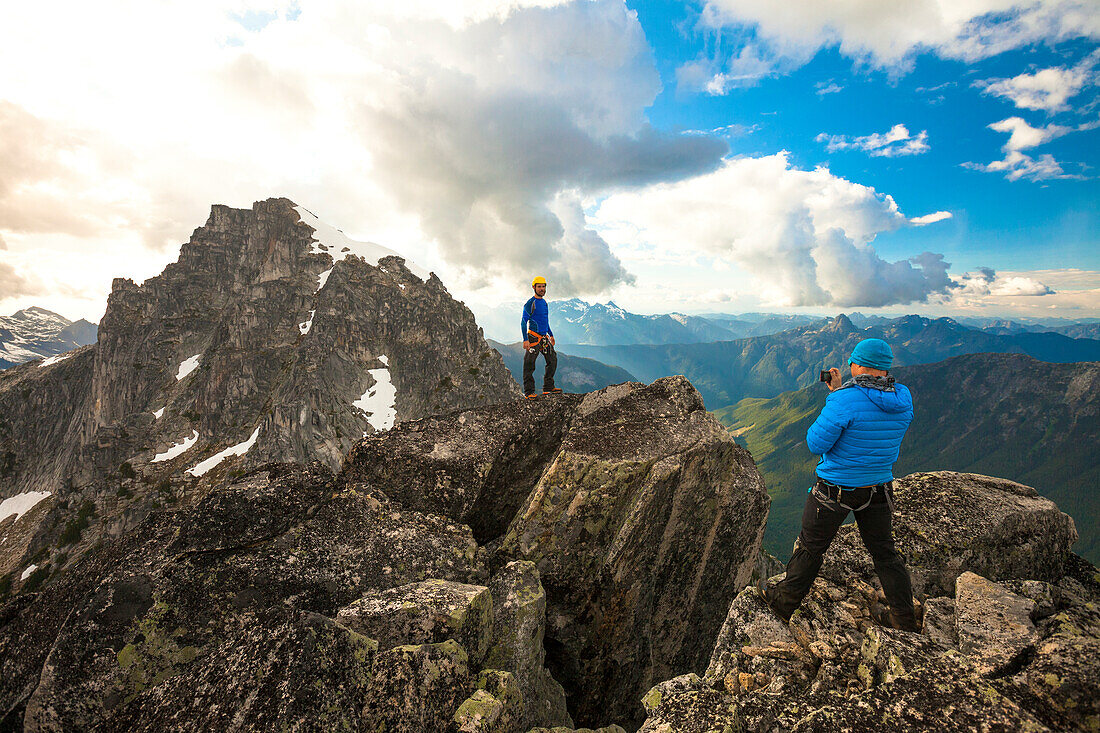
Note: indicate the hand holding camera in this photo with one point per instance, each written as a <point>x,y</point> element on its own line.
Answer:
<point>831,377</point>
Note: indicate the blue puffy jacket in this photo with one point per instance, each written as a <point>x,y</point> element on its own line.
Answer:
<point>859,432</point>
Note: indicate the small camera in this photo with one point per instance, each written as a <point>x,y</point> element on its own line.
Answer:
<point>826,375</point>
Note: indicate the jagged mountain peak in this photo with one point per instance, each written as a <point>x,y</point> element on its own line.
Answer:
<point>257,344</point>
<point>840,324</point>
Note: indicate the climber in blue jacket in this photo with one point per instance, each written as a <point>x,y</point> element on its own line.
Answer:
<point>858,436</point>
<point>538,339</point>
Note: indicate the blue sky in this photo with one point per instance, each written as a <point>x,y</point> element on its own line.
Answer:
<point>716,155</point>
<point>1019,225</point>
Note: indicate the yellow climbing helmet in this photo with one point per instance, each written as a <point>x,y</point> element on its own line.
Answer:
<point>540,280</point>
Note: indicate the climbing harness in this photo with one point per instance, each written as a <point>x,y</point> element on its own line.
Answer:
<point>829,494</point>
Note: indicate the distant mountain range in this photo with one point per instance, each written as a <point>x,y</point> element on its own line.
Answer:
<point>35,333</point>
<point>574,374</point>
<point>764,366</point>
<point>1005,414</point>
<point>575,321</point>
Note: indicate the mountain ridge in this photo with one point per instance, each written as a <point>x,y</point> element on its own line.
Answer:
<point>764,366</point>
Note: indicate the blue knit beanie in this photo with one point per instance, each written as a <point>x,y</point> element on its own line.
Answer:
<point>872,353</point>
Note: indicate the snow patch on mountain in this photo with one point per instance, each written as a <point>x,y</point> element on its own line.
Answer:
<point>187,366</point>
<point>177,449</point>
<point>20,503</point>
<point>307,324</point>
<point>234,450</point>
<point>55,359</point>
<point>379,400</point>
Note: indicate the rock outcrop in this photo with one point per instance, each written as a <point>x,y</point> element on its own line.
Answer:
<point>1015,650</point>
<point>273,338</point>
<point>947,523</point>
<point>365,599</point>
<point>642,515</point>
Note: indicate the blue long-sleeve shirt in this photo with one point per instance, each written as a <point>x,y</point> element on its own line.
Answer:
<point>537,313</point>
<point>858,434</point>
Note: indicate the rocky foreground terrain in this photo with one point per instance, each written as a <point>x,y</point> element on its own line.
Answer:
<point>508,567</point>
<point>576,561</point>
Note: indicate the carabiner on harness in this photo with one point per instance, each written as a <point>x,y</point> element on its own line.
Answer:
<point>823,492</point>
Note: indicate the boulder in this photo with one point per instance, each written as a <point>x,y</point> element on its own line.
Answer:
<point>427,612</point>
<point>753,639</point>
<point>293,669</point>
<point>939,621</point>
<point>993,624</point>
<point>516,645</point>
<point>481,713</point>
<point>948,694</point>
<point>476,467</point>
<point>495,707</point>
<point>416,688</point>
<point>1061,684</point>
<point>644,527</point>
<point>946,523</point>
<point>888,654</point>
<point>686,704</point>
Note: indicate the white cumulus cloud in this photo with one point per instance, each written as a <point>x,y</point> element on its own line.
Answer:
<point>895,142</point>
<point>1022,136</point>
<point>805,236</point>
<point>1048,89</point>
<point>973,287</point>
<point>460,134</point>
<point>783,35</point>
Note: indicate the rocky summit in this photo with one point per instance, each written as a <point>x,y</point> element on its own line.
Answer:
<point>519,566</point>
<point>273,337</point>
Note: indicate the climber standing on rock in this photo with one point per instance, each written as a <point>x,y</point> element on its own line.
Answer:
<point>858,436</point>
<point>538,339</point>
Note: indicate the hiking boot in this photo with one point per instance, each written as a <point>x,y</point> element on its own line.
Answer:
<point>531,396</point>
<point>766,593</point>
<point>555,390</point>
<point>891,619</point>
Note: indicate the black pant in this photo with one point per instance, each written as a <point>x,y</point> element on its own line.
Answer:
<point>545,348</point>
<point>820,523</point>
